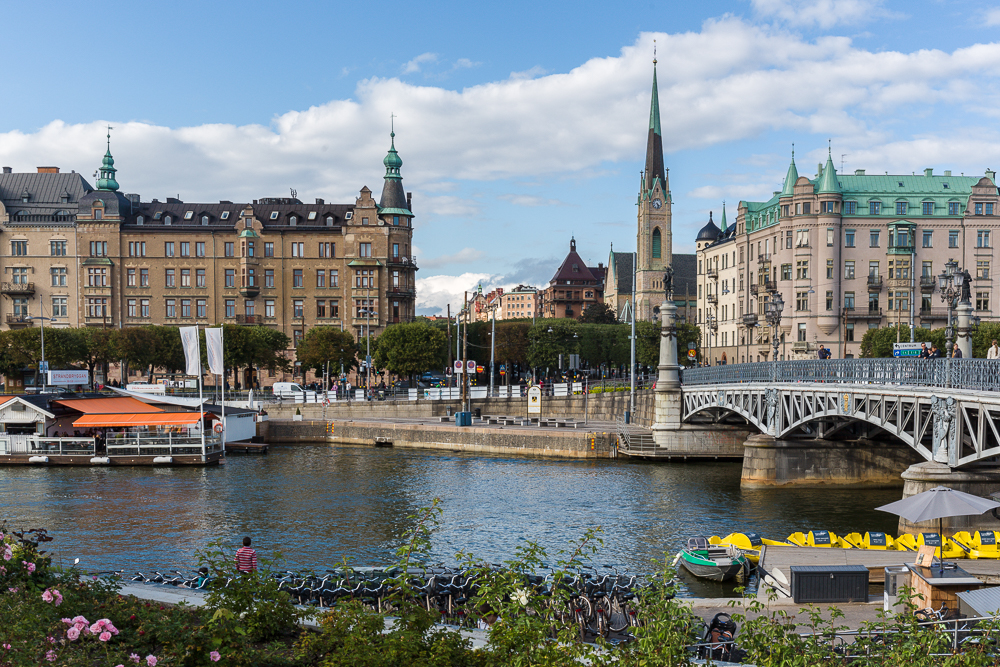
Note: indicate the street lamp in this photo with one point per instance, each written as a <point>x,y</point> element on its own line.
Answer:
<point>773,314</point>
<point>954,283</point>
<point>43,367</point>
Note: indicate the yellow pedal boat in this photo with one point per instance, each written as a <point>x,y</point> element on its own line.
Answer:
<point>818,538</point>
<point>872,541</point>
<point>908,542</point>
<point>748,543</point>
<point>980,544</point>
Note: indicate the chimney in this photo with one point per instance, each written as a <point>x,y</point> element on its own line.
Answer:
<point>409,202</point>
<point>48,170</point>
<point>7,170</point>
<point>929,171</point>
<point>859,172</point>
<point>947,172</point>
<point>319,202</point>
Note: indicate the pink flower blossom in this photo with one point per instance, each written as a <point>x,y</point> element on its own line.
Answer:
<point>134,657</point>
<point>7,646</point>
<point>8,554</point>
<point>105,636</point>
<point>59,597</point>
<point>3,570</point>
<point>80,619</point>
<point>51,656</point>
<point>214,656</point>
<point>47,595</point>
<point>151,660</point>
<point>30,566</point>
<point>67,621</point>
<point>73,634</point>
<point>13,590</point>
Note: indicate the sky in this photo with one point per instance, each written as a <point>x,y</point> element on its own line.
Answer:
<point>520,124</point>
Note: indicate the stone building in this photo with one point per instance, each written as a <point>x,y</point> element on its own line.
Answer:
<point>96,257</point>
<point>847,253</point>
<point>573,287</point>
<point>519,303</point>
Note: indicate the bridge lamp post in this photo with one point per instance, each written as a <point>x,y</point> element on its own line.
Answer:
<point>951,282</point>
<point>773,314</point>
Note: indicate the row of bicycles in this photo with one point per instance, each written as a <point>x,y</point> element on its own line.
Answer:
<point>597,602</point>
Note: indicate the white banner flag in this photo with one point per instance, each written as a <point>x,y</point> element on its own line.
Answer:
<point>213,343</point>
<point>192,350</point>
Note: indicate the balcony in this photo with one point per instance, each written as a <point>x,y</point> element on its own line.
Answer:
<point>249,320</point>
<point>17,321</point>
<point>250,291</point>
<point>713,274</point>
<point>928,283</point>
<point>713,298</point>
<point>754,289</point>
<point>800,346</point>
<point>933,313</point>
<point>770,285</point>
<point>764,258</point>
<point>712,323</point>
<point>401,293</point>
<point>750,320</point>
<point>874,283</point>
<point>402,260</point>
<point>863,313</point>
<point>18,289</point>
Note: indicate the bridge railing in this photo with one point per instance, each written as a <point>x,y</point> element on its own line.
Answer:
<point>976,374</point>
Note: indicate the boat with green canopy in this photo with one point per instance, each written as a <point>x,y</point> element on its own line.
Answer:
<point>710,561</point>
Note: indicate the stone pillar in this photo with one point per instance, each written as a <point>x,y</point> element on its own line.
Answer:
<point>925,476</point>
<point>964,330</point>
<point>668,399</point>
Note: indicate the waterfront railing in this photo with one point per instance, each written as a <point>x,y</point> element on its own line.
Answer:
<point>975,374</point>
<point>160,444</point>
<point>32,444</point>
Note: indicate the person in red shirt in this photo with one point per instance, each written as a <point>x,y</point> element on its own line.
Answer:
<point>246,558</point>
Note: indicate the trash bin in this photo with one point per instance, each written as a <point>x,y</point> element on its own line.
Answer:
<point>628,417</point>
<point>478,412</point>
<point>896,577</point>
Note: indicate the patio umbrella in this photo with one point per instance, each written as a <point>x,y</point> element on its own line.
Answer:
<point>938,503</point>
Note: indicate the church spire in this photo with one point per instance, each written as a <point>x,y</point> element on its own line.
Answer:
<point>393,197</point>
<point>107,172</point>
<point>654,142</point>
<point>790,177</point>
<point>723,217</point>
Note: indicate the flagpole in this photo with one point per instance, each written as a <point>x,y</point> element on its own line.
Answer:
<point>222,353</point>
<point>201,407</point>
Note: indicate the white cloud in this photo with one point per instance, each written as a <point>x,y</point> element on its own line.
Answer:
<point>992,17</point>
<point>530,200</point>
<point>434,293</point>
<point>822,13</point>
<point>418,62</point>
<point>463,256</point>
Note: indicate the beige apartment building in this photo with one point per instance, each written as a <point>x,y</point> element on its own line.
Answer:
<point>519,303</point>
<point>95,257</point>
<point>847,253</point>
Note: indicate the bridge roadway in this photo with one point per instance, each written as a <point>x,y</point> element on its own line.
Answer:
<point>947,410</point>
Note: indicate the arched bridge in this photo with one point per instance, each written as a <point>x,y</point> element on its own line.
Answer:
<point>948,410</point>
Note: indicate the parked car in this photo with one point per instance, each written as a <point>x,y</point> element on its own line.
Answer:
<point>289,390</point>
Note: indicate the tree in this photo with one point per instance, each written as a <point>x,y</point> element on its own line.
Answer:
<point>550,338</point>
<point>879,342</point>
<point>647,344</point>
<point>687,334</point>
<point>323,344</point>
<point>599,313</point>
<point>62,347</point>
<point>406,349</point>
<point>100,346</point>
<point>512,345</point>
<point>983,337</point>
<point>604,344</point>
<point>138,348</point>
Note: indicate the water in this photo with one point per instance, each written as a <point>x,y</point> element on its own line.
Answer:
<point>320,503</point>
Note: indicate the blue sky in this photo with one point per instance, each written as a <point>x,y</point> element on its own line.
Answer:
<point>519,124</point>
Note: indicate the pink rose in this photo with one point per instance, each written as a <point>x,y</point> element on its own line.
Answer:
<point>13,590</point>
<point>7,646</point>
<point>134,657</point>
<point>47,595</point>
<point>50,656</point>
<point>80,619</point>
<point>214,656</point>
<point>105,636</point>
<point>59,597</point>
<point>151,660</point>
<point>73,634</point>
<point>30,566</point>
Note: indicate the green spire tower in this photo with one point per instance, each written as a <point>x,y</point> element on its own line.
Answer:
<point>107,172</point>
<point>828,183</point>
<point>790,177</point>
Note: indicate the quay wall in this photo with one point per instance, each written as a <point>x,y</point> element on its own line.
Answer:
<point>599,407</point>
<point>575,443</point>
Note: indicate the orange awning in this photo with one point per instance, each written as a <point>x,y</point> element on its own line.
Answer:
<point>116,405</point>
<point>161,419</point>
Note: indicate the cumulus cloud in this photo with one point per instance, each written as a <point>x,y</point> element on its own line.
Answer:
<point>991,17</point>
<point>822,13</point>
<point>434,293</point>
<point>418,62</point>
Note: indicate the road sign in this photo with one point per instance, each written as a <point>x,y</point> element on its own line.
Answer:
<point>43,366</point>
<point>470,366</point>
<point>535,401</point>
<point>908,349</point>
<point>691,346</point>
<point>692,354</point>
<point>480,369</point>
<point>458,366</point>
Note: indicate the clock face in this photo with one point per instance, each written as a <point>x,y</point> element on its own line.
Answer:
<point>657,203</point>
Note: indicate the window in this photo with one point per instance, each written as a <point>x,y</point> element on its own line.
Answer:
<point>19,276</point>
<point>169,280</point>
<point>334,308</point>
<point>59,276</point>
<point>185,307</point>
<point>249,248</point>
<point>784,210</point>
<point>802,238</point>
<point>269,278</point>
<point>202,306</point>
<point>248,307</point>
<point>927,269</point>
<point>982,300</point>
<point>59,306</point>
<point>901,207</point>
<point>590,295</point>
<point>826,207</point>
<point>802,269</point>
<point>185,277</point>
<point>365,308</point>
<point>224,216</point>
<point>364,279</point>
<point>899,269</point>
<point>802,332</point>
<point>928,208</point>
<point>143,307</point>
<point>334,278</point>
<point>297,308</point>
<point>298,250</point>
<point>320,278</point>
<point>849,332</point>
<point>989,209</point>
<point>143,277</point>
<point>831,237</point>
<point>802,301</point>
<point>849,238</point>
<point>849,269</point>
<point>230,307</point>
<point>96,307</point>
<point>807,208</point>
<point>786,271</point>
<point>296,338</point>
<point>849,300</point>
<point>326,249</point>
<point>850,207</point>
<point>983,269</point>
<point>320,308</point>
<point>188,215</point>
<point>171,308</point>
<point>274,215</point>
<point>297,278</point>
<point>199,278</point>
<point>979,208</point>
<point>185,249</point>
<point>136,248</point>
<point>829,299</point>
<point>874,208</point>
<point>268,307</point>
<point>269,249</point>
<point>57,248</point>
<point>953,238</point>
<point>168,249</point>
<point>364,221</point>
<point>873,268</point>
<point>230,277</point>
<point>364,249</point>
<point>140,221</point>
<point>129,278</point>
<point>873,241</point>
<point>788,239</point>
<point>199,249</point>
<point>97,249</point>
<point>97,277</point>
<point>204,220</point>
<point>983,238</point>
<point>928,238</point>
<point>829,269</point>
<point>229,249</point>
<point>251,277</point>
<point>798,209</point>
<point>329,220</point>
<point>899,301</point>
<point>248,222</point>
<point>395,220</point>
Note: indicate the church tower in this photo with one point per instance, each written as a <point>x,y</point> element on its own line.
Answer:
<point>654,241</point>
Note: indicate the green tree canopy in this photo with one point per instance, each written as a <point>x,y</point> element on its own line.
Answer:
<point>599,313</point>
<point>605,344</point>
<point>879,342</point>
<point>550,338</point>
<point>323,344</point>
<point>100,346</point>
<point>406,349</point>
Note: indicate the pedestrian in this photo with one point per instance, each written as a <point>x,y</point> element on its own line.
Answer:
<point>955,352</point>
<point>824,353</point>
<point>246,558</point>
<point>924,352</point>
<point>994,351</point>
<point>935,352</point>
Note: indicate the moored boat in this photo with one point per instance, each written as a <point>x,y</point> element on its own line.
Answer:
<point>714,562</point>
<point>980,544</point>
<point>908,542</point>
<point>748,543</point>
<point>817,538</point>
<point>874,541</point>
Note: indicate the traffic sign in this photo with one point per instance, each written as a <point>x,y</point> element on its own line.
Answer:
<point>479,369</point>
<point>43,366</point>
<point>470,365</point>
<point>458,366</point>
<point>691,346</point>
<point>692,354</point>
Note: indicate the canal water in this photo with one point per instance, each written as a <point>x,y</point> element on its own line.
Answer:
<point>318,504</point>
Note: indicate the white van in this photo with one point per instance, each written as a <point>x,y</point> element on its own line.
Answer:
<point>289,390</point>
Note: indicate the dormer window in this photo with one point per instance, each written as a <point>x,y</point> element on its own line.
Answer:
<point>224,216</point>
<point>25,197</point>
<point>64,198</point>
<point>312,215</point>
<point>188,215</point>
<point>248,223</point>
<point>329,221</point>
<point>395,220</point>
<point>204,220</point>
<point>140,220</point>
<point>274,215</point>
<point>294,220</point>
<point>167,220</point>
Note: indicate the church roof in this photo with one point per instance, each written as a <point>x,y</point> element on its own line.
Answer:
<point>654,143</point>
<point>573,267</point>
<point>620,264</point>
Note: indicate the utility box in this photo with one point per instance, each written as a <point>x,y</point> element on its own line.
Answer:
<point>820,583</point>
<point>896,577</point>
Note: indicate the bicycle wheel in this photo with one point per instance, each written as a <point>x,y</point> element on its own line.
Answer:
<point>599,618</point>
<point>618,618</point>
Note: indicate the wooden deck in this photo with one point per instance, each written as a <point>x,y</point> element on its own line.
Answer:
<point>246,448</point>
<point>776,557</point>
<point>212,458</point>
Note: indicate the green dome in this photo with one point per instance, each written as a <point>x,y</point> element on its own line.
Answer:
<point>392,161</point>
<point>107,178</point>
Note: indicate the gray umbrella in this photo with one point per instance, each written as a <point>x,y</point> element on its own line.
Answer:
<point>938,503</point>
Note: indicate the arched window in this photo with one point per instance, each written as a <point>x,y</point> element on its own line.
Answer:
<point>204,220</point>
<point>656,243</point>
<point>329,221</point>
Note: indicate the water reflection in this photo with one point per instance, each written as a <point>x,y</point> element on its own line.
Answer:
<point>318,504</point>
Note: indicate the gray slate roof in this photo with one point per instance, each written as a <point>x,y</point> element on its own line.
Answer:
<point>177,210</point>
<point>622,266</point>
<point>45,190</point>
<point>685,275</point>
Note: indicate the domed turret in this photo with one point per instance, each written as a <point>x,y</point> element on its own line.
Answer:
<point>709,232</point>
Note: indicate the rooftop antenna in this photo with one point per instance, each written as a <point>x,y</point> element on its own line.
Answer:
<point>654,50</point>
<point>842,156</point>
<point>294,193</point>
<point>109,136</point>
<point>392,123</point>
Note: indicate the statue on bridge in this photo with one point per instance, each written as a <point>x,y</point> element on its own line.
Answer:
<point>772,397</point>
<point>668,282</point>
<point>945,427</point>
<point>966,287</point>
